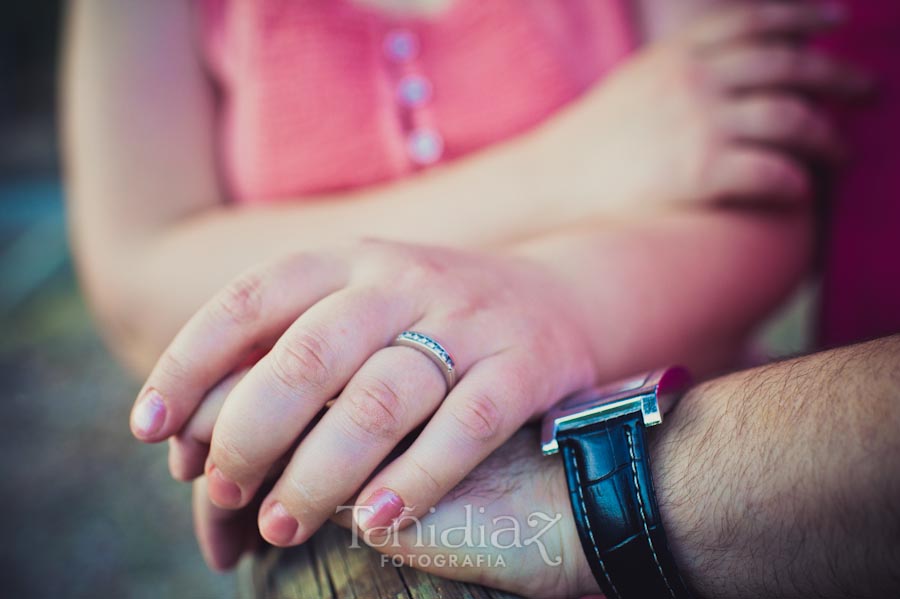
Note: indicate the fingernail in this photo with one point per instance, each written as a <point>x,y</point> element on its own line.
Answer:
<point>149,414</point>
<point>277,525</point>
<point>222,491</point>
<point>381,509</point>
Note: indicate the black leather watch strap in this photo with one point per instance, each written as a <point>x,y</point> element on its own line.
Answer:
<point>608,470</point>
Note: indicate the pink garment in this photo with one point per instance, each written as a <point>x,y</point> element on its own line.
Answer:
<point>323,95</point>
<point>326,95</point>
<point>861,292</point>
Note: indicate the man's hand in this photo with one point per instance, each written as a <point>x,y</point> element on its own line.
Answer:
<point>780,481</point>
<point>508,525</point>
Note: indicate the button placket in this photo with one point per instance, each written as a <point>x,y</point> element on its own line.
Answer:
<point>412,92</point>
<point>401,45</point>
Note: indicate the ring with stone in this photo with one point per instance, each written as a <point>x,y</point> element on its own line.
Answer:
<point>433,350</point>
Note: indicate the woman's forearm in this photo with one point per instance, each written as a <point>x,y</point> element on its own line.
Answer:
<point>154,237</point>
<point>151,230</point>
<point>683,288</point>
<point>158,275</point>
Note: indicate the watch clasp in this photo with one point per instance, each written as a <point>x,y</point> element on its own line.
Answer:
<point>653,394</point>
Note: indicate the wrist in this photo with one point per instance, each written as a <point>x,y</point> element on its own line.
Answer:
<point>686,486</point>
<point>600,435</point>
<point>549,260</point>
<point>577,576</point>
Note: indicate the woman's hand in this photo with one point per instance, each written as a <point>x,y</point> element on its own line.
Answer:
<point>510,325</point>
<point>732,108</point>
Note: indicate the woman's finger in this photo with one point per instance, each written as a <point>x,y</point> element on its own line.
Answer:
<point>189,448</point>
<point>765,19</point>
<point>309,365</point>
<point>253,309</point>
<point>223,535</point>
<point>783,121</point>
<point>744,173</point>
<point>754,66</point>
<point>482,411</point>
<point>393,392</point>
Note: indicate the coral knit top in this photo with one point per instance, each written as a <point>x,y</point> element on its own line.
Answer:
<point>327,95</point>
<point>319,96</point>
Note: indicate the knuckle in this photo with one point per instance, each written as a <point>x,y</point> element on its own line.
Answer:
<point>303,361</point>
<point>784,61</point>
<point>425,477</point>
<point>301,499</point>
<point>782,114</point>
<point>174,366</point>
<point>793,116</point>
<point>420,271</point>
<point>230,456</point>
<point>408,267</point>
<point>377,253</point>
<point>468,304</point>
<point>376,410</point>
<point>479,418</point>
<point>241,301</point>
<point>777,173</point>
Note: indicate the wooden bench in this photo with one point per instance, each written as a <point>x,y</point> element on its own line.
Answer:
<point>326,567</point>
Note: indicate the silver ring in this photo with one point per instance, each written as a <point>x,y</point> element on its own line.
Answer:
<point>433,350</point>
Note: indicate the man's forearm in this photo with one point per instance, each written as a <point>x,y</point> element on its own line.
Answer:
<point>783,481</point>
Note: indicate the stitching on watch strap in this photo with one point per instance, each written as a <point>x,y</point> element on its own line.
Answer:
<point>587,523</point>
<point>637,486</point>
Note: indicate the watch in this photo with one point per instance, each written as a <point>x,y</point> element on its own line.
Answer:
<point>600,434</point>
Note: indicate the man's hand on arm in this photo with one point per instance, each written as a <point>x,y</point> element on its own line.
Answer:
<point>779,481</point>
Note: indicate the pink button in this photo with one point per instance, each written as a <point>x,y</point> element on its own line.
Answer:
<point>414,90</point>
<point>425,146</point>
<point>401,45</point>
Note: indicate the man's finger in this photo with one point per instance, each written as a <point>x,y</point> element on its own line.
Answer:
<point>188,449</point>
<point>222,534</point>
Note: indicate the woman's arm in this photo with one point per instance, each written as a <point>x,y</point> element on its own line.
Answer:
<point>781,481</point>
<point>152,233</point>
<point>154,237</point>
<point>683,288</point>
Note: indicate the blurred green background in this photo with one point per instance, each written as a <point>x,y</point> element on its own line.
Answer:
<point>87,511</point>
